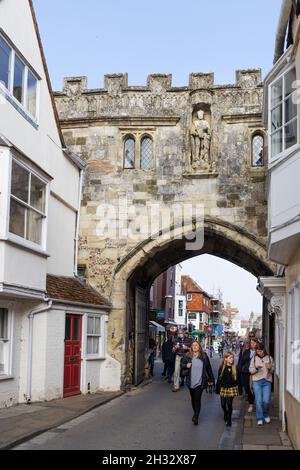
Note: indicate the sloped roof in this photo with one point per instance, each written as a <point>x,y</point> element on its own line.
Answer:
<point>189,285</point>
<point>71,290</point>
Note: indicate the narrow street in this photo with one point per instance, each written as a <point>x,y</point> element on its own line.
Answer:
<point>151,418</point>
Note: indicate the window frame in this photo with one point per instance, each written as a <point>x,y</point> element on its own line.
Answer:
<point>189,297</point>
<point>285,151</point>
<point>8,92</point>
<point>8,343</point>
<point>16,238</point>
<point>258,133</point>
<point>142,138</point>
<point>125,139</point>
<point>100,336</point>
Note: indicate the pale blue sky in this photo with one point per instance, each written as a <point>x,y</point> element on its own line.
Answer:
<point>97,37</point>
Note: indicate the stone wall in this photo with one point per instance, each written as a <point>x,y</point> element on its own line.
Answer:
<point>94,124</point>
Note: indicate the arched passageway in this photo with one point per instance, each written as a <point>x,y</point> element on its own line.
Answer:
<point>136,273</point>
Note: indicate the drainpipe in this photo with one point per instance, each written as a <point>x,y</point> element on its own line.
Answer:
<point>75,270</point>
<point>282,27</point>
<point>31,316</point>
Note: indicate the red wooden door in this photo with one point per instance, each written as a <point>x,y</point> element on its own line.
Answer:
<point>72,366</point>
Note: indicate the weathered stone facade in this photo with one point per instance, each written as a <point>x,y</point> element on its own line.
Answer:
<point>94,124</point>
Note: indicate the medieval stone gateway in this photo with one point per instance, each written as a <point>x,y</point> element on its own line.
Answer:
<point>159,146</point>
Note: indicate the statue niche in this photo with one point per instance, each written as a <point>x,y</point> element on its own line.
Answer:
<point>200,135</point>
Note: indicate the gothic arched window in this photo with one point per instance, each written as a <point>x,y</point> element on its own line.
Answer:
<point>146,153</point>
<point>129,153</point>
<point>258,143</point>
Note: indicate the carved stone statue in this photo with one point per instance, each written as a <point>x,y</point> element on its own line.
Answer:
<point>200,142</point>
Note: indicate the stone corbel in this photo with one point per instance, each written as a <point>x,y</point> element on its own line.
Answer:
<point>274,290</point>
<point>277,305</point>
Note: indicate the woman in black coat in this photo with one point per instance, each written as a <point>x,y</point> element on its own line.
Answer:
<point>197,369</point>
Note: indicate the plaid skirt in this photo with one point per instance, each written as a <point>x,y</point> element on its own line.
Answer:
<point>229,392</point>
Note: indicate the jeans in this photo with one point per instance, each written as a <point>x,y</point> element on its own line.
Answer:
<point>196,394</point>
<point>262,389</point>
<point>177,372</point>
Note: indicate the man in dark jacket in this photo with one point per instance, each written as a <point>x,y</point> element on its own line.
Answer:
<point>168,357</point>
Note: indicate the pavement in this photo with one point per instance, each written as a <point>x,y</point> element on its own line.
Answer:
<point>149,417</point>
<point>23,422</point>
<point>266,437</point>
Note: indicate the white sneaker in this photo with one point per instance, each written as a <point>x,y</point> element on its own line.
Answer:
<point>250,409</point>
<point>260,422</point>
<point>268,420</point>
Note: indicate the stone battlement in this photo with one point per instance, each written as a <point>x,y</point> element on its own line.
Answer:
<point>161,83</point>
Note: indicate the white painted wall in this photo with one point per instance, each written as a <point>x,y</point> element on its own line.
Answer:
<point>61,229</point>
<point>180,320</point>
<point>42,146</point>
<point>24,268</point>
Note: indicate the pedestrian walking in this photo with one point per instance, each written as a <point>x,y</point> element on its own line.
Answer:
<point>262,369</point>
<point>187,341</point>
<point>152,355</point>
<point>199,375</point>
<point>245,364</point>
<point>244,377</point>
<point>180,347</point>
<point>211,351</point>
<point>168,357</point>
<point>229,385</point>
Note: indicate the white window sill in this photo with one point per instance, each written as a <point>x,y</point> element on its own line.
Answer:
<point>283,156</point>
<point>6,377</point>
<point>94,358</point>
<point>26,245</point>
<point>18,106</point>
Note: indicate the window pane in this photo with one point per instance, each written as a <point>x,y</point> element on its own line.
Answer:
<point>68,329</point>
<point>5,52</point>
<point>290,109</point>
<point>129,160</point>
<point>276,118</point>
<point>3,323</point>
<point>31,93</point>
<point>34,227</point>
<point>18,79</point>
<point>19,182</point>
<point>90,325</point>
<point>37,193</point>
<point>257,150</point>
<point>97,326</point>
<point>17,218</point>
<point>76,329</point>
<point>95,345</point>
<point>90,345</point>
<point>276,93</point>
<point>146,153</point>
<point>276,143</point>
<point>290,78</point>
<point>291,134</point>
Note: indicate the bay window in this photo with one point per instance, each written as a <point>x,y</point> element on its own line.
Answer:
<point>283,122</point>
<point>17,78</point>
<point>27,204</point>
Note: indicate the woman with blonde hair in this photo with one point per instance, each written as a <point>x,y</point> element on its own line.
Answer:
<point>197,369</point>
<point>229,385</point>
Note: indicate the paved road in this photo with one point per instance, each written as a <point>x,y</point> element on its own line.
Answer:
<point>150,418</point>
